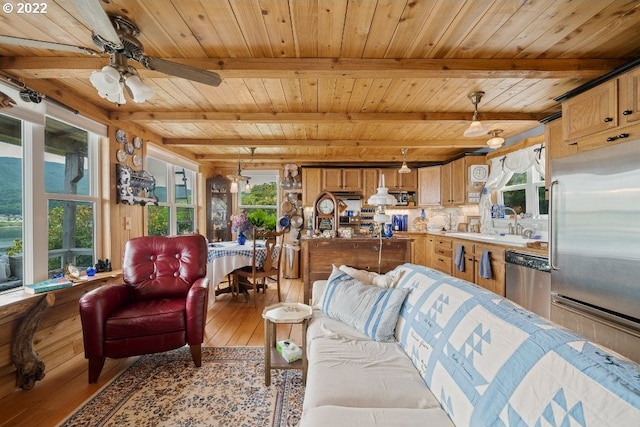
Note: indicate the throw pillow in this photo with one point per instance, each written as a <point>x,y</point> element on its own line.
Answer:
<point>370,309</point>
<point>387,280</point>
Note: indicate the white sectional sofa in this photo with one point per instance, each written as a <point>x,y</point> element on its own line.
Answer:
<point>458,356</point>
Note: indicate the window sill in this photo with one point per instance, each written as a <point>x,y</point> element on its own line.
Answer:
<point>12,299</point>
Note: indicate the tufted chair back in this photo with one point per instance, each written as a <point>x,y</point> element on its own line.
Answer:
<point>163,267</point>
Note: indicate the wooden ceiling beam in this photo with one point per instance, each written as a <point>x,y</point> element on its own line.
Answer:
<point>226,159</point>
<point>461,143</point>
<point>47,67</point>
<point>204,116</point>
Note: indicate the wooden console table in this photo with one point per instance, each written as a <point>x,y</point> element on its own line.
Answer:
<point>318,256</point>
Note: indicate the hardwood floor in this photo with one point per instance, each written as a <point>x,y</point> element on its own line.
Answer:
<point>230,322</point>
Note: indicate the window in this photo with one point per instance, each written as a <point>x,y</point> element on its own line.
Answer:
<point>175,185</point>
<point>525,192</point>
<point>10,203</point>
<point>48,206</point>
<point>261,200</point>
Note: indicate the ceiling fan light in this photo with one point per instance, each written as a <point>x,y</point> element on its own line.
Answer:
<point>106,80</point>
<point>140,92</point>
<point>475,129</point>
<point>495,142</point>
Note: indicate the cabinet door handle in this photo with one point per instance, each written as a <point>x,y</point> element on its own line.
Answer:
<point>623,135</point>
<point>608,119</point>
<point>612,138</point>
<point>627,112</point>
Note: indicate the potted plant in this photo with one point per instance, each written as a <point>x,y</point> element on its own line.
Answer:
<point>15,258</point>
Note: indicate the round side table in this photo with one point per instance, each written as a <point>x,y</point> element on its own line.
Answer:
<point>284,313</point>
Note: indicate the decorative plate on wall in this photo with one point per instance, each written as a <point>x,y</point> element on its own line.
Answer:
<point>121,136</point>
<point>137,143</point>
<point>128,147</point>
<point>137,160</point>
<point>121,155</point>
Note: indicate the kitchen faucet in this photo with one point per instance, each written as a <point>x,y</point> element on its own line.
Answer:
<point>515,228</point>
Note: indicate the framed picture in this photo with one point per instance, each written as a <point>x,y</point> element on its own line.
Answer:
<point>474,224</point>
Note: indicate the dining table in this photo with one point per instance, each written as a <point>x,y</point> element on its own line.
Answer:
<point>224,258</point>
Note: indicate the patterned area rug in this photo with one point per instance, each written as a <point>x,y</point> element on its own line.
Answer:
<point>167,389</point>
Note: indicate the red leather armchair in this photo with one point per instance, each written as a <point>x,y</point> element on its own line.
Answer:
<point>162,304</point>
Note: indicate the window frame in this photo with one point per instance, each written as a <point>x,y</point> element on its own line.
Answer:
<point>535,180</point>
<point>35,200</point>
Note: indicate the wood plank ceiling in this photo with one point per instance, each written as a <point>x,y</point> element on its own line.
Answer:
<point>341,81</point>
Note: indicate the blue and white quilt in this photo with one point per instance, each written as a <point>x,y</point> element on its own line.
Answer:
<point>492,363</point>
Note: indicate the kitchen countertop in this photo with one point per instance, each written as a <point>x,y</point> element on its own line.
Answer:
<point>509,240</point>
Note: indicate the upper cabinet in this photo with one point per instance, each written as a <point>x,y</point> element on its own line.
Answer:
<point>395,181</point>
<point>336,179</point>
<point>311,185</point>
<point>604,115</point>
<point>429,186</point>
<point>592,111</point>
<point>455,184</point>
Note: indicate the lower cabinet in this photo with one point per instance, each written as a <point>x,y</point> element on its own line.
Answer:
<point>444,256</point>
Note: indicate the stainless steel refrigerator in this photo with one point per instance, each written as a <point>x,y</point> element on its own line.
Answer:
<point>595,236</point>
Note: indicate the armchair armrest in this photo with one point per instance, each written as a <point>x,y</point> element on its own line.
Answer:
<point>196,307</point>
<point>95,308</point>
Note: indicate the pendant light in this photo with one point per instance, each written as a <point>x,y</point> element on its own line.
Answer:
<point>404,168</point>
<point>237,178</point>
<point>495,141</point>
<point>476,128</point>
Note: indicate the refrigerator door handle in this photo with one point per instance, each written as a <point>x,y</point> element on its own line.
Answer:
<point>552,243</point>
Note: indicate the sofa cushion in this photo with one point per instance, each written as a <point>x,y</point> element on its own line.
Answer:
<point>347,368</point>
<point>340,416</point>
<point>369,309</point>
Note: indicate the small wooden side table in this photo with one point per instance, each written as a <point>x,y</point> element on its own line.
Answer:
<point>284,313</point>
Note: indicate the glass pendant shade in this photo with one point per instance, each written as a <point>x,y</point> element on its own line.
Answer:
<point>495,142</point>
<point>475,129</point>
<point>234,187</point>
<point>382,197</point>
<point>404,168</point>
<point>140,92</point>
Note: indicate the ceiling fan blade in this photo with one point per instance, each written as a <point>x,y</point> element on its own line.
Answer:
<point>98,21</point>
<point>180,70</point>
<point>39,44</point>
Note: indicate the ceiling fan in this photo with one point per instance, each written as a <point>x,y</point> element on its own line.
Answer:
<point>117,36</point>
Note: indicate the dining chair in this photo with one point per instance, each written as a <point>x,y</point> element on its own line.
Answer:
<point>256,275</point>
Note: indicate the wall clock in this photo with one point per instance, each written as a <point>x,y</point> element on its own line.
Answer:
<point>478,173</point>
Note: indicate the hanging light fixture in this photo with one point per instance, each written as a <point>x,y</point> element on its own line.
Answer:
<point>495,141</point>
<point>114,79</point>
<point>237,177</point>
<point>404,168</point>
<point>476,128</point>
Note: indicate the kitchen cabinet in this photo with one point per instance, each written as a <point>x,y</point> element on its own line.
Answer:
<point>395,181</point>
<point>454,180</point>
<point>348,179</point>
<point>369,183</point>
<point>443,255</point>
<point>311,185</point>
<point>604,115</point>
<point>429,186</point>
<point>418,245</point>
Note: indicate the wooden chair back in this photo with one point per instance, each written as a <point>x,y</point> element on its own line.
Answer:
<point>273,240</point>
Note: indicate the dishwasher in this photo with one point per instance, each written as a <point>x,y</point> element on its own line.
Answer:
<point>528,281</point>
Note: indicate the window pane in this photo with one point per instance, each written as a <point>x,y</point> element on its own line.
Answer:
<point>158,220</point>
<point>184,186</point>
<point>262,200</point>
<point>185,220</point>
<point>71,228</point>
<point>158,169</point>
<point>518,178</point>
<point>65,160</point>
<point>543,205</point>
<point>516,199</point>
<point>10,203</point>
